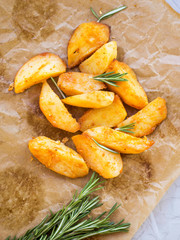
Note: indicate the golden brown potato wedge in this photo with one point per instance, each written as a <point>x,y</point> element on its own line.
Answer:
<point>100,60</point>
<point>108,116</point>
<point>38,69</point>
<point>58,157</point>
<point>55,111</point>
<point>148,118</point>
<point>96,99</point>
<point>119,141</point>
<point>86,39</point>
<point>129,91</point>
<point>107,164</point>
<point>73,83</point>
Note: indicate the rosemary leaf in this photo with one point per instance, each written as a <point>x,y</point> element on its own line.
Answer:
<point>60,91</point>
<point>94,13</point>
<point>108,82</point>
<point>108,14</point>
<point>105,148</point>
<point>127,128</point>
<point>110,78</point>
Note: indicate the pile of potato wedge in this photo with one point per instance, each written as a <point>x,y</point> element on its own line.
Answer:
<point>90,49</point>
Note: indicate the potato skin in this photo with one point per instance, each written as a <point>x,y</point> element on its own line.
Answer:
<point>100,60</point>
<point>85,40</point>
<point>119,141</point>
<point>96,99</point>
<point>108,116</point>
<point>148,118</point>
<point>58,157</point>
<point>107,164</point>
<point>55,111</point>
<point>73,83</point>
<point>131,92</point>
<point>37,70</point>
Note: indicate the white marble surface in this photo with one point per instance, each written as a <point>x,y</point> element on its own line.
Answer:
<point>175,4</point>
<point>164,221</point>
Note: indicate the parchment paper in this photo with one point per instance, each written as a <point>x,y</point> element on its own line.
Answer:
<point>148,37</point>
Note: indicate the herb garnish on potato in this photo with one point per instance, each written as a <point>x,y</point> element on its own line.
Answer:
<point>107,164</point>
<point>131,92</point>
<point>119,141</point>
<point>148,118</point>
<point>73,83</point>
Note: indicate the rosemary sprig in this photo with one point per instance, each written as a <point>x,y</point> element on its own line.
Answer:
<point>69,222</point>
<point>105,148</point>
<point>108,14</point>
<point>110,78</point>
<point>127,128</point>
<point>60,91</point>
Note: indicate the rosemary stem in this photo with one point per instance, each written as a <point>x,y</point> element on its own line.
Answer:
<point>126,128</point>
<point>108,14</point>
<point>58,88</point>
<point>103,147</point>
<point>110,78</point>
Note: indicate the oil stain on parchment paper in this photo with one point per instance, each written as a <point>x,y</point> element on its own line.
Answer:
<point>32,18</point>
<point>21,197</point>
<point>136,177</point>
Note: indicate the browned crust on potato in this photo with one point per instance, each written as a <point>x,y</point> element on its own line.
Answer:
<point>106,116</point>
<point>148,118</point>
<point>74,83</point>
<point>131,92</point>
<point>86,56</point>
<point>31,59</point>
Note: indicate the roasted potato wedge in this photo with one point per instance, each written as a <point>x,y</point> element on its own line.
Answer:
<point>58,157</point>
<point>55,111</point>
<point>119,141</point>
<point>107,164</point>
<point>96,99</point>
<point>148,118</point>
<point>129,91</point>
<point>73,83</point>
<point>100,60</point>
<point>38,69</point>
<point>108,116</point>
<point>86,39</point>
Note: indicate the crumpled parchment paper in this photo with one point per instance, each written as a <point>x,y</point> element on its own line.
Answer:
<point>148,40</point>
